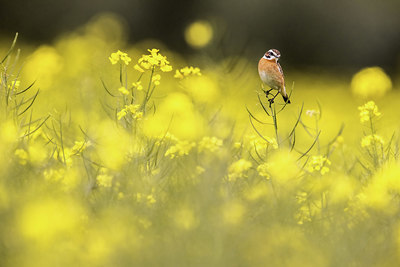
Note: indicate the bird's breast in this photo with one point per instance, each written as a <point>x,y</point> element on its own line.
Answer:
<point>270,74</point>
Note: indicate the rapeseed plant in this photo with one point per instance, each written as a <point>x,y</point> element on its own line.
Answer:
<point>152,163</point>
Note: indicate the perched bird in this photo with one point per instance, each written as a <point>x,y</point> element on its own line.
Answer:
<point>271,74</point>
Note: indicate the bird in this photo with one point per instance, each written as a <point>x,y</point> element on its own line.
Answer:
<point>271,74</point>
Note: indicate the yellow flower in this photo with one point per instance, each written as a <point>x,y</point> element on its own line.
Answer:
<point>138,68</point>
<point>122,114</point>
<point>119,56</point>
<point>22,156</point>
<point>132,109</point>
<point>13,85</point>
<point>138,85</point>
<point>263,170</point>
<point>238,169</point>
<point>104,180</point>
<point>187,71</point>
<point>138,115</point>
<point>210,143</point>
<point>156,79</point>
<point>369,140</point>
<point>318,164</point>
<point>155,59</point>
<point>182,148</point>
<point>178,74</point>
<point>166,68</point>
<point>371,82</point>
<point>79,147</point>
<point>368,111</point>
<point>153,51</point>
<point>150,199</point>
<point>123,90</point>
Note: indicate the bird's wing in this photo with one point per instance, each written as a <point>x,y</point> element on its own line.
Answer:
<point>280,69</point>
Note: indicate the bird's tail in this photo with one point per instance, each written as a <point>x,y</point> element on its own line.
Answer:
<point>285,96</point>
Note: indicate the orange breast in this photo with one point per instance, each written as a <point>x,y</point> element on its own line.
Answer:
<point>270,74</point>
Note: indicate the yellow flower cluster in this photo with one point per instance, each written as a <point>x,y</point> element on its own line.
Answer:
<point>22,156</point>
<point>262,170</point>
<point>119,56</point>
<point>258,143</point>
<point>238,169</point>
<point>181,148</point>
<point>368,111</point>
<point>187,71</point>
<point>79,147</point>
<point>138,85</point>
<point>123,90</point>
<point>373,139</point>
<point>156,79</point>
<point>148,199</point>
<point>318,164</point>
<point>13,85</point>
<point>104,180</point>
<point>67,153</point>
<point>210,143</point>
<point>155,59</point>
<point>130,109</point>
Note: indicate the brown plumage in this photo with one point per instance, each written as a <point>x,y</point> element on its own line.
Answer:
<point>271,73</point>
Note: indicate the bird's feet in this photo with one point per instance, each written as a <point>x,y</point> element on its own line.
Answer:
<point>271,101</point>
<point>267,93</point>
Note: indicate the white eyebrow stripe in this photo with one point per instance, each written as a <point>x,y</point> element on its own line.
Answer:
<point>272,52</point>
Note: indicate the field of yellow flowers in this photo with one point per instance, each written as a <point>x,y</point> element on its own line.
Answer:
<point>134,157</point>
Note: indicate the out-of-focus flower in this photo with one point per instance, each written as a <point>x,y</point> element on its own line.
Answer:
<point>255,141</point>
<point>132,109</point>
<point>263,170</point>
<point>45,221</point>
<point>122,114</point>
<point>373,139</point>
<point>104,180</point>
<point>199,34</point>
<point>232,212</point>
<point>150,199</point>
<point>79,147</point>
<point>185,218</point>
<point>45,66</point>
<point>238,169</point>
<point>339,141</point>
<point>318,164</point>
<point>312,112</point>
<point>368,111</point>
<point>180,149</point>
<point>138,85</point>
<point>13,84</point>
<point>138,68</point>
<point>156,79</point>
<point>187,71</point>
<point>210,143</point>
<point>371,82</point>
<point>123,90</point>
<point>22,156</point>
<point>119,56</point>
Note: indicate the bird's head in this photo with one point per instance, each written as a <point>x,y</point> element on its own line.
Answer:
<point>272,54</point>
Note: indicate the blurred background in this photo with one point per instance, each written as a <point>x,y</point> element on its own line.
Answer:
<point>336,35</point>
